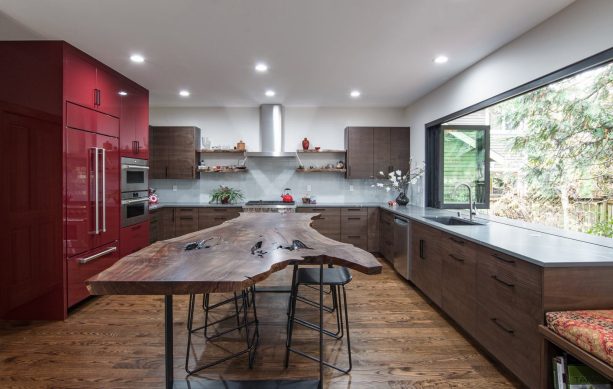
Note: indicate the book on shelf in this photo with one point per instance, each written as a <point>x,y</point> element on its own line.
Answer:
<point>570,373</point>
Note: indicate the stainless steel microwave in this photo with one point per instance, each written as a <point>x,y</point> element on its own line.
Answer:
<point>134,174</point>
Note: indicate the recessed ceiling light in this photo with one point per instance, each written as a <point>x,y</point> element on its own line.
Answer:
<point>137,58</point>
<point>184,93</point>
<point>355,94</point>
<point>122,93</point>
<point>270,93</point>
<point>441,59</point>
<point>261,67</point>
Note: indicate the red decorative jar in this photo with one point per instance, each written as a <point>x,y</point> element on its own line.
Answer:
<point>305,144</point>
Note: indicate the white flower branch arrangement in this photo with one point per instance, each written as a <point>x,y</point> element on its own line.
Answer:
<point>400,181</point>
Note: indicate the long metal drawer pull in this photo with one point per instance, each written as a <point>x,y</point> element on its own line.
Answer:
<point>503,259</point>
<point>457,258</point>
<point>495,320</point>
<point>103,189</point>
<point>98,255</point>
<point>96,198</point>
<point>135,167</point>
<point>459,241</point>
<point>494,276</point>
<point>354,218</point>
<point>134,201</point>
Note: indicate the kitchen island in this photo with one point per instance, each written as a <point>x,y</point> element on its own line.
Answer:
<point>237,254</point>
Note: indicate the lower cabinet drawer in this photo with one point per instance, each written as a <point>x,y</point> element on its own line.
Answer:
<point>327,225</point>
<point>514,341</point>
<point>360,241</point>
<point>93,263</point>
<point>186,221</point>
<point>133,238</point>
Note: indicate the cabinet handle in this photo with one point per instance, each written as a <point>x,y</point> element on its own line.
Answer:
<point>99,97</point>
<point>134,147</point>
<point>96,256</point>
<point>503,259</point>
<point>354,236</point>
<point>349,171</point>
<point>95,97</point>
<point>458,241</point>
<point>319,209</point>
<point>353,209</point>
<point>219,218</point>
<point>495,277</point>
<point>457,258</point>
<point>166,172</point>
<point>421,249</point>
<point>219,210</point>
<point>354,218</point>
<point>137,147</point>
<point>504,328</point>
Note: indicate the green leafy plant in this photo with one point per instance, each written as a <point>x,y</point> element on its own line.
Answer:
<point>603,228</point>
<point>226,195</point>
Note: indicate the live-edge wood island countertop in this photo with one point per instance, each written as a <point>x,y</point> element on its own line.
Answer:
<point>230,259</point>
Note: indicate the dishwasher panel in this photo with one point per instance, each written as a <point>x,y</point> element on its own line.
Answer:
<point>401,246</point>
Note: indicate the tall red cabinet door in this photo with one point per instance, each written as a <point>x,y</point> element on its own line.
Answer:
<point>110,196</point>
<point>109,99</point>
<point>134,124</point>
<point>79,79</point>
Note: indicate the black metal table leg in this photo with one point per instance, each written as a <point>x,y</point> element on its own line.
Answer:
<point>168,341</point>
<point>321,323</point>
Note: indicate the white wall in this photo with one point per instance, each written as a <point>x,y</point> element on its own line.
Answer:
<point>579,31</point>
<point>323,126</point>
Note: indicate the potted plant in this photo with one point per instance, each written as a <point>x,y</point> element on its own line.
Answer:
<point>400,181</point>
<point>226,195</point>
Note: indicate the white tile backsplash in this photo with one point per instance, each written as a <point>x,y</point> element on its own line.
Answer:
<point>266,178</point>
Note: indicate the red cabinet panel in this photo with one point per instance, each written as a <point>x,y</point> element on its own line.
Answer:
<point>79,78</point>
<point>89,83</point>
<point>89,120</point>
<point>108,85</point>
<point>86,265</point>
<point>134,238</point>
<point>134,127</point>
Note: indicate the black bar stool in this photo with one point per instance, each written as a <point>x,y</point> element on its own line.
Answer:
<point>336,278</point>
<point>247,300</point>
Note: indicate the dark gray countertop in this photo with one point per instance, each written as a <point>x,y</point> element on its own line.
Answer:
<point>543,246</point>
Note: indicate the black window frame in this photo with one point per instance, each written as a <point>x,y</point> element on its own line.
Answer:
<point>434,173</point>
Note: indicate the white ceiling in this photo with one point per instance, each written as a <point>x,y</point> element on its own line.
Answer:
<point>318,50</point>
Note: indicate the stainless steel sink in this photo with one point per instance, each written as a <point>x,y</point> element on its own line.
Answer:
<point>453,221</point>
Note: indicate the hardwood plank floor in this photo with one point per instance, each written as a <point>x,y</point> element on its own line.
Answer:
<point>398,341</point>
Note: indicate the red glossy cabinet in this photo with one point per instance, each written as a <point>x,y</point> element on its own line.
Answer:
<point>60,118</point>
<point>134,126</point>
<point>134,238</point>
<point>89,83</point>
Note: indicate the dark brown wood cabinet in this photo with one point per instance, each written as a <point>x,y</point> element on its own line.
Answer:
<point>386,235</point>
<point>360,157</point>
<point>373,229</point>
<point>458,293</point>
<point>354,227</point>
<point>167,223</point>
<point>426,260</point>
<point>371,150</point>
<point>173,152</point>
<point>499,299</point>
<point>211,217</point>
<point>186,220</point>
<point>155,225</point>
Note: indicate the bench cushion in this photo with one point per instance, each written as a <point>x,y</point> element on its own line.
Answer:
<point>591,331</point>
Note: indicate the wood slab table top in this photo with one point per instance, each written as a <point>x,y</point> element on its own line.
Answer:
<point>231,258</point>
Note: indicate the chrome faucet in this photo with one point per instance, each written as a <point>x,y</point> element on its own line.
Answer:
<point>472,209</point>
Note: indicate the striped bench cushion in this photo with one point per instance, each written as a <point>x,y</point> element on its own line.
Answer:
<point>591,331</point>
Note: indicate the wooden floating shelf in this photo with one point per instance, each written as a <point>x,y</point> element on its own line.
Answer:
<point>222,151</point>
<point>321,151</point>
<point>321,170</point>
<point>223,171</point>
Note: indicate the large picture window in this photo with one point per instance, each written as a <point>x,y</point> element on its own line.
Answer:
<point>544,156</point>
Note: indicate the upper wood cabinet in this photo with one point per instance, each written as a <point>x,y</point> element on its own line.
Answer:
<point>173,152</point>
<point>371,150</point>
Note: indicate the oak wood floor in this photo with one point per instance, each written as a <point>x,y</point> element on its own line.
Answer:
<point>398,341</point>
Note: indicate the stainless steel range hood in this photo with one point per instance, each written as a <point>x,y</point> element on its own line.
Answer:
<point>272,133</point>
